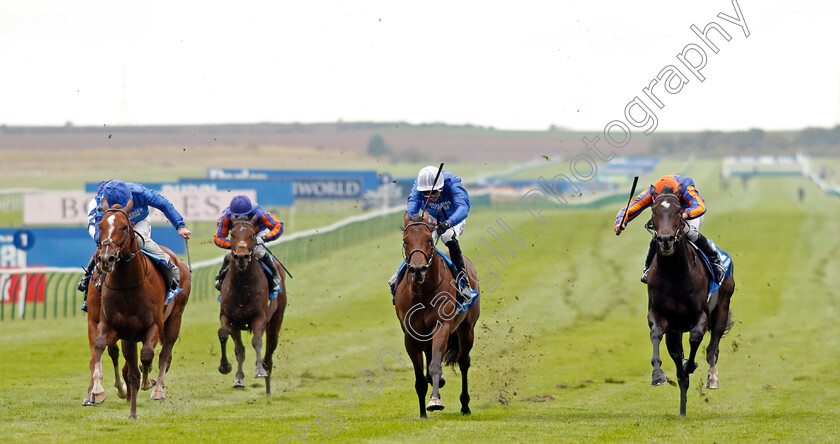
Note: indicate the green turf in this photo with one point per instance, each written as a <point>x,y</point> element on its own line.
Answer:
<point>562,350</point>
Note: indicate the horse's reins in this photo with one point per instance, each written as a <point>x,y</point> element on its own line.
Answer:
<point>430,256</point>
<point>120,258</point>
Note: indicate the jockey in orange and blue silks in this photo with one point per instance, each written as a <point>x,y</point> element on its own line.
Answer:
<point>268,227</point>
<point>694,210</point>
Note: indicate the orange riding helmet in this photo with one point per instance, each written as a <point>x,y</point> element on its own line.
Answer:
<point>666,182</point>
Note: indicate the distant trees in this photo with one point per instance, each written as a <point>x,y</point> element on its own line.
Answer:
<point>377,146</point>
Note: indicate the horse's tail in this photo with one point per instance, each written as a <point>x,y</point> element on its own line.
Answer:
<point>729,323</point>
<point>451,356</point>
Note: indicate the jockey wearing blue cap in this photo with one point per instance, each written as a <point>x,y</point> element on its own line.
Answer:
<point>448,205</point>
<point>119,192</point>
<point>266,223</point>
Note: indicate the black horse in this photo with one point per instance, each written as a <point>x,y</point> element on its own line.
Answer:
<point>678,302</point>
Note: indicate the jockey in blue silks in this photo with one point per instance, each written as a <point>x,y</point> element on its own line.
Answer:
<point>119,192</point>
<point>269,226</point>
<point>449,206</point>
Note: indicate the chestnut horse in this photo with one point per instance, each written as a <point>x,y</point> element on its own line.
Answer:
<point>245,304</point>
<point>678,287</point>
<point>130,307</point>
<point>429,316</point>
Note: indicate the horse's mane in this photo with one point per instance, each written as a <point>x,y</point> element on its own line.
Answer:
<point>416,218</point>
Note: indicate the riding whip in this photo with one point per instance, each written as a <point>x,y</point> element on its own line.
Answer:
<point>632,192</point>
<point>440,168</point>
<point>278,260</point>
<point>187,248</point>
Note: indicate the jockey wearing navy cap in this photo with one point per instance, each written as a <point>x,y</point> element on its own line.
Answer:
<point>449,205</point>
<point>119,192</point>
<point>266,223</point>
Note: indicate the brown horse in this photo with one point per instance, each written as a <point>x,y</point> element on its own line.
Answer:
<point>428,313</point>
<point>130,307</point>
<point>245,304</point>
<point>677,298</point>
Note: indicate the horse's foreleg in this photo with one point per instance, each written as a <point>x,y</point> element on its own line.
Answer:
<point>439,343</point>
<point>695,337</point>
<point>147,355</point>
<point>256,342</point>
<point>657,329</point>
<point>129,350</point>
<point>239,351</point>
<point>224,333</point>
<point>415,353</point>
<point>465,343</point>
<point>673,340</point>
<point>104,337</point>
<point>114,353</point>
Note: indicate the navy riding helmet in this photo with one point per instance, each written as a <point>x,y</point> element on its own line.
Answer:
<point>116,192</point>
<point>240,205</point>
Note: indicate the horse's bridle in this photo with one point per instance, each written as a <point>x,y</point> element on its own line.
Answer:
<point>649,226</point>
<point>254,235</point>
<point>429,256</point>
<point>108,242</point>
<point>119,247</point>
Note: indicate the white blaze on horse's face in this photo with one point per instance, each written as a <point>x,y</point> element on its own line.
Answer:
<point>111,220</point>
<point>665,204</point>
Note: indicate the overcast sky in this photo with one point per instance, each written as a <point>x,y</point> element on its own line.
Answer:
<point>511,65</point>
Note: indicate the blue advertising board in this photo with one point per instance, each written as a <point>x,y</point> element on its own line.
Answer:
<point>63,247</point>
<point>269,192</point>
<point>324,184</point>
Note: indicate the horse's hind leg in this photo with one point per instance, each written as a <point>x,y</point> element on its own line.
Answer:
<point>657,329</point>
<point>695,337</point>
<point>239,351</point>
<point>272,334</point>
<point>257,342</point>
<point>465,339</point>
<point>674,342</point>
<point>129,350</point>
<point>718,325</point>
<point>147,355</point>
<point>170,335</point>
<point>114,353</point>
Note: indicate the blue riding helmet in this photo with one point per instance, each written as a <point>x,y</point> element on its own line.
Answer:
<point>101,186</point>
<point>240,205</point>
<point>116,192</point>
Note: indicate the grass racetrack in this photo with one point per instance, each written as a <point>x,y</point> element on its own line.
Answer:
<point>562,351</point>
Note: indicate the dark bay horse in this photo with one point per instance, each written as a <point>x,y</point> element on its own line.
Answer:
<point>677,298</point>
<point>245,305</point>
<point>130,308</point>
<point>428,312</point>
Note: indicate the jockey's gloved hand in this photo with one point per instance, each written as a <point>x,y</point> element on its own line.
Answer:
<point>441,228</point>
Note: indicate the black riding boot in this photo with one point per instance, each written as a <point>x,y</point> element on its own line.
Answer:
<point>268,260</point>
<point>649,260</point>
<point>173,276</point>
<point>711,253</point>
<point>83,284</point>
<point>458,259</point>
<point>222,272</point>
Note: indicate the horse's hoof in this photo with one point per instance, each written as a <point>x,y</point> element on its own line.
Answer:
<point>158,394</point>
<point>225,368</point>
<point>689,367</point>
<point>87,403</point>
<point>658,379</point>
<point>465,410</point>
<point>239,383</point>
<point>122,391</point>
<point>712,384</point>
<point>434,405</point>
<point>260,373</point>
<point>97,398</point>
